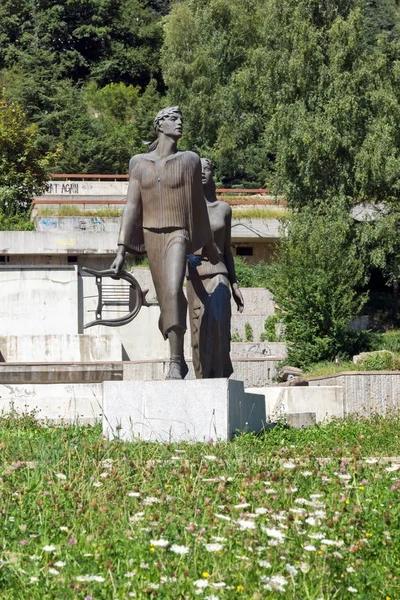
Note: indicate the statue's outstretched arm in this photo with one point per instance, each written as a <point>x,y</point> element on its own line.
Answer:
<point>229,262</point>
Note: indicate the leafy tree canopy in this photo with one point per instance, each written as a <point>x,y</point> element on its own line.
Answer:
<point>24,171</point>
<point>54,54</point>
<point>302,95</point>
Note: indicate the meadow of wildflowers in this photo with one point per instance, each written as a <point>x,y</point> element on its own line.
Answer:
<point>310,514</point>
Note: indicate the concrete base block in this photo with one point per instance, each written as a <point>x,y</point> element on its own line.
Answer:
<point>195,411</point>
<point>300,420</point>
<point>254,372</point>
<point>69,403</point>
<point>60,348</point>
<point>327,402</point>
<point>52,373</point>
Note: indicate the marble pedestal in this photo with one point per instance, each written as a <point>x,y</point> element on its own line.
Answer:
<point>175,411</point>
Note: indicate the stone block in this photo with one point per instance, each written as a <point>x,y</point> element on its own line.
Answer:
<point>281,401</point>
<point>60,348</point>
<point>68,403</point>
<point>59,373</point>
<point>300,420</point>
<point>38,300</point>
<point>287,373</point>
<point>257,372</point>
<point>173,411</point>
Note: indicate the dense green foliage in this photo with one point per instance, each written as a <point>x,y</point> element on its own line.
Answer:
<point>86,518</point>
<point>23,169</point>
<point>300,94</point>
<point>87,73</point>
<point>316,284</point>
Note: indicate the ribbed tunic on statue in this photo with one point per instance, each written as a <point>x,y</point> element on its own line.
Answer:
<point>168,196</point>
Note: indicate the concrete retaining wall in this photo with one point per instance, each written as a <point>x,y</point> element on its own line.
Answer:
<point>39,300</point>
<point>325,401</point>
<point>365,393</point>
<point>69,403</point>
<point>49,373</point>
<point>60,348</point>
<point>73,224</point>
<point>67,189</point>
<point>253,372</point>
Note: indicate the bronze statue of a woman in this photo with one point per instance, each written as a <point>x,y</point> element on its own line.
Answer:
<point>208,290</point>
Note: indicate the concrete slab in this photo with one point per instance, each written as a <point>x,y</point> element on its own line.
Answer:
<point>254,372</point>
<point>68,403</point>
<point>300,420</point>
<point>326,403</point>
<point>38,300</point>
<point>195,411</point>
<point>366,393</point>
<point>49,373</point>
<point>60,348</point>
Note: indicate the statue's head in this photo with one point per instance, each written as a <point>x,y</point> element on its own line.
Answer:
<point>169,122</point>
<point>207,171</point>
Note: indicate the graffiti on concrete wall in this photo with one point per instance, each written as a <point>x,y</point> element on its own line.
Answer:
<point>89,224</point>
<point>62,188</point>
<point>47,223</point>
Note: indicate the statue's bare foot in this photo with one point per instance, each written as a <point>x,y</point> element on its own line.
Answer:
<point>177,370</point>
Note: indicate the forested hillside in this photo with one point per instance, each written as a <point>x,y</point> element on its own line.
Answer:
<point>87,73</point>
<point>299,95</point>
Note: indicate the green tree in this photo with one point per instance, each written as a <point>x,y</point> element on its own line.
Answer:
<point>24,171</point>
<point>316,283</point>
<point>302,95</point>
<point>51,51</point>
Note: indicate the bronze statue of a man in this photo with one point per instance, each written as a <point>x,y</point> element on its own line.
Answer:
<point>166,216</point>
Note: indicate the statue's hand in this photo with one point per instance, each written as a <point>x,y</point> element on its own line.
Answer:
<point>119,260</point>
<point>212,253</point>
<point>238,298</point>
<point>194,260</point>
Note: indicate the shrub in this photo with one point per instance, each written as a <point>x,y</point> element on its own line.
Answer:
<point>316,284</point>
<point>248,332</point>
<point>235,336</point>
<point>251,275</point>
<point>380,361</point>
<point>269,333</point>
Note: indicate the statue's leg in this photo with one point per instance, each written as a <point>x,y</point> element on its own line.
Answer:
<point>175,304</point>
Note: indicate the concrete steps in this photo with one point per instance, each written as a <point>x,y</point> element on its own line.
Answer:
<point>257,372</point>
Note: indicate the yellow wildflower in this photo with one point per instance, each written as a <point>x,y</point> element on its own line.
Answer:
<point>239,588</point>
<point>205,574</point>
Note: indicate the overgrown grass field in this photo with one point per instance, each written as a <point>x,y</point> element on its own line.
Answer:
<point>310,514</point>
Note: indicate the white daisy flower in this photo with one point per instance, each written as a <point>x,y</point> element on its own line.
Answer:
<point>179,549</point>
<point>160,543</point>
<point>215,547</point>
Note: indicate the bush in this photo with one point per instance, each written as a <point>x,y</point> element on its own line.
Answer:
<point>18,222</point>
<point>269,333</point>
<point>316,284</point>
<point>385,341</point>
<point>380,361</point>
<point>248,332</point>
<point>251,275</point>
